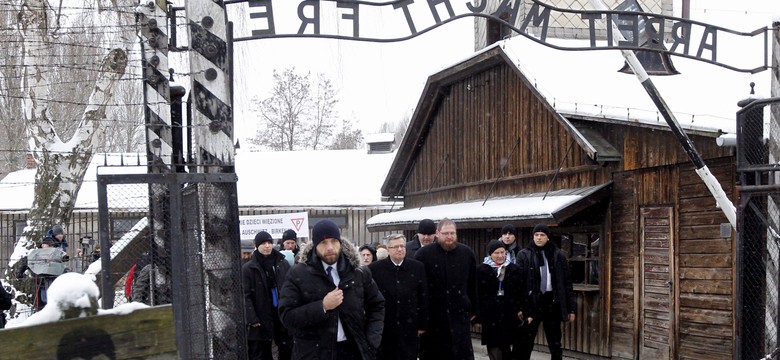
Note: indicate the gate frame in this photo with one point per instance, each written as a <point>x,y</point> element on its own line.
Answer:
<point>753,181</point>
<point>175,183</point>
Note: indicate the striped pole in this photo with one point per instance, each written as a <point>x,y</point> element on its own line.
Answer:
<point>210,93</point>
<point>214,303</point>
<point>152,21</point>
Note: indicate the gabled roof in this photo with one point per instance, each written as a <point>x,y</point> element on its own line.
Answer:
<point>586,85</point>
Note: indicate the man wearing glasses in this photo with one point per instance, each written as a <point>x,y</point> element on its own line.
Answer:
<point>401,281</point>
<point>451,271</point>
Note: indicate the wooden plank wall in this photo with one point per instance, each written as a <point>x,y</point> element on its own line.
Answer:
<point>624,250</point>
<point>706,268</point>
<point>705,261</point>
<point>472,136</point>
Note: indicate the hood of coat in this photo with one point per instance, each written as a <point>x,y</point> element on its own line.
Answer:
<point>348,251</point>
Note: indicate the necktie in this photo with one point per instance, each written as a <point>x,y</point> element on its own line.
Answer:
<point>544,271</point>
<point>328,270</point>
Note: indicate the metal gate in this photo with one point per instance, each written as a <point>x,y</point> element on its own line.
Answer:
<point>179,245</point>
<point>758,229</point>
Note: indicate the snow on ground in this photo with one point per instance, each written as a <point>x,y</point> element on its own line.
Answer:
<point>68,291</point>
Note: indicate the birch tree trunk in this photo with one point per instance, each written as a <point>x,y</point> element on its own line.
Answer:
<point>61,165</point>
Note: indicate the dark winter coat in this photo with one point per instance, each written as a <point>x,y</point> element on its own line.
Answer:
<point>529,263</point>
<point>405,290</point>
<point>152,286</point>
<point>257,294</point>
<point>412,246</point>
<point>314,331</point>
<point>452,292</point>
<point>498,314</point>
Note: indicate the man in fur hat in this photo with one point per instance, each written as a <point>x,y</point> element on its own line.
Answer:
<point>329,302</point>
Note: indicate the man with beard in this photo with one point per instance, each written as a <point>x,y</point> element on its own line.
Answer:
<point>330,303</point>
<point>548,295</point>
<point>402,282</point>
<point>262,278</point>
<point>450,268</point>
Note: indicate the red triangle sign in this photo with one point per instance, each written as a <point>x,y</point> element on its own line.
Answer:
<point>297,222</point>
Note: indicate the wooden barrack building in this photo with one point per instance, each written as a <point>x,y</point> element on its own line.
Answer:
<point>652,257</point>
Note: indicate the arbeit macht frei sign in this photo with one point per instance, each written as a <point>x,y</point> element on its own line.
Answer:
<point>404,19</point>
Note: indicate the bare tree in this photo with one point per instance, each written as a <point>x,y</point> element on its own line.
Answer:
<point>347,137</point>
<point>398,128</point>
<point>324,103</point>
<point>125,120</point>
<point>295,117</point>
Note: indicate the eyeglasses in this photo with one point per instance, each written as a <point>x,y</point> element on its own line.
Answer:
<point>396,247</point>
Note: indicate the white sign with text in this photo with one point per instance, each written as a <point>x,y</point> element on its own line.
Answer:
<point>274,224</point>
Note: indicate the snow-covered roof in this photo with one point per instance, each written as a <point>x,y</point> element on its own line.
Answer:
<point>17,188</point>
<point>587,83</point>
<point>321,178</point>
<point>311,178</point>
<point>379,137</point>
<point>551,207</point>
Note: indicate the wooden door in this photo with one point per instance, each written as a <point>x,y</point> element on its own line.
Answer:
<point>656,308</point>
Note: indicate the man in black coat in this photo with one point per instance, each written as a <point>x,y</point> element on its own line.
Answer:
<point>548,296</point>
<point>289,241</point>
<point>330,303</point>
<point>263,276</point>
<point>426,235</point>
<point>450,268</point>
<point>402,282</point>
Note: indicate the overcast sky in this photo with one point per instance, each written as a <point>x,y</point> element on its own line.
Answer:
<point>382,82</point>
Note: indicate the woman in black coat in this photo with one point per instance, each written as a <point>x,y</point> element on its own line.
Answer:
<point>498,294</point>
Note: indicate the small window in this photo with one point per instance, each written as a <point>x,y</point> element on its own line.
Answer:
<point>583,251</point>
